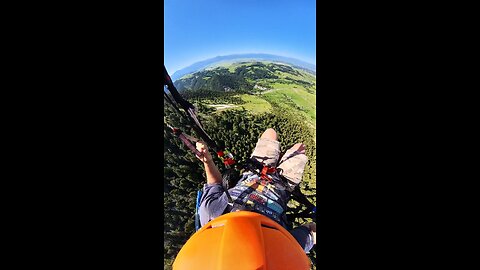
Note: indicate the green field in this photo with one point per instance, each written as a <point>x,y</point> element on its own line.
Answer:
<point>294,90</point>
<point>293,98</point>
<point>255,104</point>
<point>282,92</point>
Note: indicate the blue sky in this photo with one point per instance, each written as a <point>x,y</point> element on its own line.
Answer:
<point>196,30</point>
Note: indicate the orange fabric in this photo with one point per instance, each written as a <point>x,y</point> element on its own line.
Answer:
<point>238,241</point>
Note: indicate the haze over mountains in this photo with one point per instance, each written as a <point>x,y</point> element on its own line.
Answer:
<point>251,56</point>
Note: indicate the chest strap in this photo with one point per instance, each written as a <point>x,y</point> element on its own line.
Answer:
<point>255,203</point>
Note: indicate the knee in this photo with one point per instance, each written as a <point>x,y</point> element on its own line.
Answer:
<point>269,134</point>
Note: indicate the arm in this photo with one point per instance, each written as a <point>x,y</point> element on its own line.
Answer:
<point>213,174</point>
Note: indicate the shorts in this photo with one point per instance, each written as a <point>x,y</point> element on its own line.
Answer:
<point>292,164</point>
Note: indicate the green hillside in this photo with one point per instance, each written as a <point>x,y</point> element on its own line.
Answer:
<point>255,86</point>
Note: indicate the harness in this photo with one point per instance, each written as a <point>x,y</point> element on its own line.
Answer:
<point>260,193</point>
<point>270,179</point>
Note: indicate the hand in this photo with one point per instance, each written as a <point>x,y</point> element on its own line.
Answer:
<point>312,226</point>
<point>204,153</point>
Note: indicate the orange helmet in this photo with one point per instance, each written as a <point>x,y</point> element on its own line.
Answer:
<point>239,241</point>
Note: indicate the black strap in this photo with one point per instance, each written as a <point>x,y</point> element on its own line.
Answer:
<point>172,103</point>
<point>173,90</point>
<point>301,198</point>
<point>189,111</point>
<point>238,203</point>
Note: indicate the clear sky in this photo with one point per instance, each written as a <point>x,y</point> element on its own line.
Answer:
<point>196,30</point>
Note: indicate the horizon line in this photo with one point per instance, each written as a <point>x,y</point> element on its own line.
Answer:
<point>241,54</point>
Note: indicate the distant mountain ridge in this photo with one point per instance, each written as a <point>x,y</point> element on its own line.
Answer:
<point>254,56</point>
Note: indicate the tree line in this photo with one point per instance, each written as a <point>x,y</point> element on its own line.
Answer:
<point>241,80</point>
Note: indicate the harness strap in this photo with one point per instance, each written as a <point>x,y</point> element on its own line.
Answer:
<point>247,200</point>
<point>267,170</point>
<point>189,110</point>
